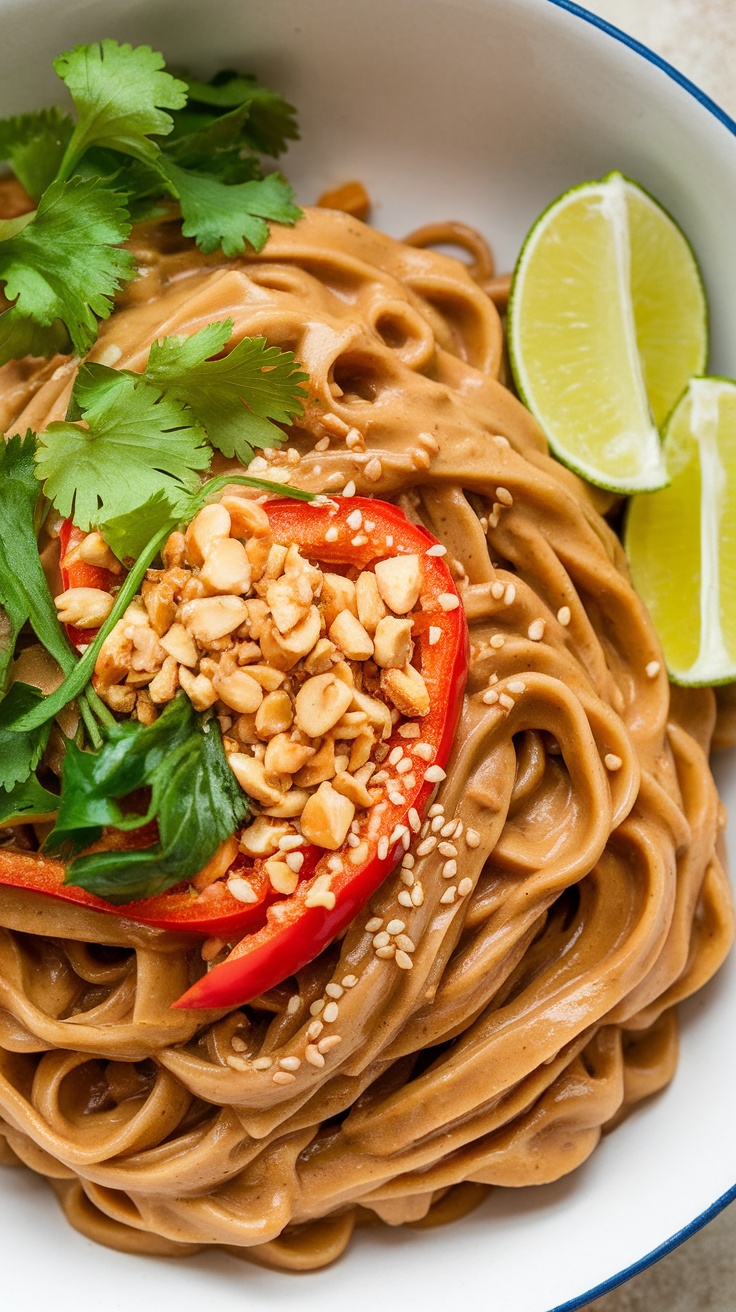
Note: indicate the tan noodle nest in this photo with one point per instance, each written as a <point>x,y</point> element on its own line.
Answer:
<point>541,1007</point>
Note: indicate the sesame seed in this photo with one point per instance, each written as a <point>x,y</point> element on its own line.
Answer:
<point>472,838</point>
<point>397,799</point>
<point>332,534</point>
<point>353,438</point>
<point>612,762</point>
<point>396,755</point>
<point>403,766</point>
<point>262,1063</point>
<point>437,808</point>
<point>435,774</point>
<point>395,927</point>
<point>448,829</point>
<point>314,1057</point>
<point>295,861</point>
<point>292,1005</point>
<point>353,840</point>
<point>404,961</point>
<point>437,823</point>
<point>426,846</point>
<point>290,841</point>
<point>315,1029</point>
<point>504,496</point>
<point>516,685</point>
<point>381,939</point>
<point>458,828</point>
<point>449,895</point>
<point>417,895</point>
<point>380,777</point>
<point>415,823</point>
<point>405,943</point>
<point>326,1045</point>
<point>449,869</point>
<point>283,1077</point>
<point>436,550</point>
<point>464,887</point>
<point>359,540</point>
<point>330,1013</point>
<point>349,489</point>
<point>399,832</point>
<point>564,615</point>
<point>237,1063</point>
<point>501,441</point>
<point>374,924</point>
<point>350,981</point>
<point>653,669</point>
<point>290,1063</point>
<point>409,730</point>
<point>424,750</point>
<point>386,953</point>
<point>497,590</point>
<point>389,539</point>
<point>509,596</point>
<point>316,1007</point>
<point>497,640</point>
<point>373,469</point>
<point>238,1044</point>
<point>334,990</point>
<point>241,890</point>
<point>434,635</point>
<point>323,444</point>
<point>490,697</point>
<point>382,848</point>
<point>447,849</point>
<point>492,678</point>
<point>355,519</point>
<point>404,898</point>
<point>506,701</point>
<point>407,860</point>
<point>536,630</point>
<point>448,601</point>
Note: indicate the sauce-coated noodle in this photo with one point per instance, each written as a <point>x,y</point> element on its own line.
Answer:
<point>540,1006</point>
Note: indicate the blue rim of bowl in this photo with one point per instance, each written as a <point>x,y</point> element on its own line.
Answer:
<point>581,1300</point>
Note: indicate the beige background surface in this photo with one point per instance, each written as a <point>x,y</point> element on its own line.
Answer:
<point>699,37</point>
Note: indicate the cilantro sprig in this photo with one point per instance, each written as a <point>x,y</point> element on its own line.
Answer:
<point>129,454</point>
<point>138,136</point>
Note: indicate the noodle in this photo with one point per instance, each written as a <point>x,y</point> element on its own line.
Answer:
<point>541,1007</point>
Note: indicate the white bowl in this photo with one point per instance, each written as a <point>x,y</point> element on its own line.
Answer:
<point>482,110</point>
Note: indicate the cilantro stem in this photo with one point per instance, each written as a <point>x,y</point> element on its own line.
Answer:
<point>90,724</point>
<point>225,480</point>
<point>98,707</point>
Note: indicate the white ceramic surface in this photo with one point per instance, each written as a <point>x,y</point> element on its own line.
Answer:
<point>482,110</point>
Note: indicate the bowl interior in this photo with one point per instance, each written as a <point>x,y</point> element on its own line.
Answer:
<point>480,110</point>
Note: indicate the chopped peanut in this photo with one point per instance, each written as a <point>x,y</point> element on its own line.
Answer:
<point>320,768</point>
<point>118,696</point>
<point>158,599</point>
<point>226,567</point>
<point>179,644</point>
<point>262,837</point>
<point>288,600</point>
<point>284,650</point>
<point>338,593</point>
<point>145,710</point>
<point>284,756</point>
<point>327,817</point>
<point>378,713</point>
<point>282,878</point>
<point>85,608</point>
<point>247,519</point>
<point>164,685</point>
<point>319,659</point>
<point>320,703</point>
<point>348,634</point>
<point>211,523</point>
<point>361,749</point>
<point>399,581</point>
<point>352,788</point>
<point>268,678</point>
<point>275,561</point>
<point>252,777</point>
<point>93,550</point>
<point>406,689</point>
<point>198,688</point>
<point>370,606</point>
<point>174,551</point>
<point>218,865</point>
<point>113,660</point>
<point>393,646</point>
<point>291,805</point>
<point>274,715</point>
<point>212,617</point>
<point>238,691</point>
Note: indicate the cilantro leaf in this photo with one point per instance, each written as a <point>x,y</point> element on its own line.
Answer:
<point>34,145</point>
<point>26,802</point>
<point>20,753</point>
<point>23,587</point>
<point>65,264</point>
<point>120,94</point>
<point>237,397</point>
<point>271,120</point>
<point>226,217</point>
<point>139,441</point>
<point>195,800</point>
<point>127,534</point>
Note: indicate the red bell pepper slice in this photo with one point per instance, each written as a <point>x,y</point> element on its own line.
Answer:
<point>295,933</point>
<point>80,575</point>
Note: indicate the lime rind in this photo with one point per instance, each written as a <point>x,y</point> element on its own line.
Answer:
<point>637,444</point>
<point>681,541</point>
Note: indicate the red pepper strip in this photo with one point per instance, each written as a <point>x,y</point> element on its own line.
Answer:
<point>294,933</point>
<point>81,575</point>
<point>214,911</point>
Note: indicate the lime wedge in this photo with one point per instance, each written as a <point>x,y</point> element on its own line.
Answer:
<point>681,541</point>
<point>607,323</point>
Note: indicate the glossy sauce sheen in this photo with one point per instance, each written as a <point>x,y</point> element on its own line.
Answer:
<point>540,1006</point>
